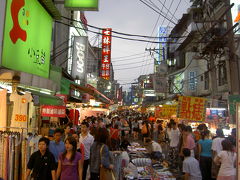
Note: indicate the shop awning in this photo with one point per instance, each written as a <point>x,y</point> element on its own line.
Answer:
<point>100,96</point>
<point>45,99</point>
<point>67,84</point>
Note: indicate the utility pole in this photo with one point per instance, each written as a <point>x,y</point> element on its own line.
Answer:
<point>232,61</point>
<point>213,74</point>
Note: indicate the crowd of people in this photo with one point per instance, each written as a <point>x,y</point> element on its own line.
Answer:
<point>80,154</point>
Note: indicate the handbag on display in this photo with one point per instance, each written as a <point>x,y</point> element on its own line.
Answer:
<point>105,173</point>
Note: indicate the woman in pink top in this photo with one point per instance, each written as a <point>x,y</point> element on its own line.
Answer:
<point>70,165</point>
<point>189,142</point>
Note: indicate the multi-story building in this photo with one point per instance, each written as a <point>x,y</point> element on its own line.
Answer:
<point>198,53</point>
<point>146,93</point>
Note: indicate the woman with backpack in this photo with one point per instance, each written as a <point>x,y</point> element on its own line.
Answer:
<point>99,154</point>
<point>145,131</point>
<point>135,129</point>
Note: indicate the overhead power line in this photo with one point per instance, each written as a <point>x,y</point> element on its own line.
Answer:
<point>130,39</point>
<point>163,6</point>
<point>123,57</point>
<point>130,63</point>
<point>132,67</point>
<point>120,33</point>
<point>158,12</point>
<point>153,32</point>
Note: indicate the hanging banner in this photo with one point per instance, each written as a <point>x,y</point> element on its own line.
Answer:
<point>53,111</point>
<point>106,53</point>
<point>79,57</point>
<point>192,108</point>
<point>166,111</point>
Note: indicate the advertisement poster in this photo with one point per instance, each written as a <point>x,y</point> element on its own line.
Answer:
<point>165,111</point>
<point>27,37</point>
<point>192,108</point>
<point>79,57</point>
<point>53,111</point>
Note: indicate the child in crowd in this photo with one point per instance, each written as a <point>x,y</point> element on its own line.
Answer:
<point>190,166</point>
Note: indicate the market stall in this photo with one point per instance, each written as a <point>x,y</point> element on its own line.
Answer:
<point>141,166</point>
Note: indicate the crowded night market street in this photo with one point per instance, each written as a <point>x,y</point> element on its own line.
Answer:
<point>119,89</point>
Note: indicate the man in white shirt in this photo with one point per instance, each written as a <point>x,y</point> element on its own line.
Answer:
<point>174,141</point>
<point>87,140</point>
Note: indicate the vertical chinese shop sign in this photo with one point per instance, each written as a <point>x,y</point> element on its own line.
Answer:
<point>192,108</point>
<point>106,53</point>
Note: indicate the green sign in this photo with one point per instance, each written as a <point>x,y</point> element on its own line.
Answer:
<point>83,5</point>
<point>233,100</point>
<point>27,37</point>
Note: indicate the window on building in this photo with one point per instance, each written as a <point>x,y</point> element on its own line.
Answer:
<point>222,73</point>
<point>170,86</point>
<point>206,80</point>
<point>192,81</point>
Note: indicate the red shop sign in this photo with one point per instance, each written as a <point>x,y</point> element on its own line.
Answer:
<point>53,111</point>
<point>106,53</point>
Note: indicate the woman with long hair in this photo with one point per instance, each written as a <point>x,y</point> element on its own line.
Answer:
<point>204,148</point>
<point>70,165</point>
<point>227,158</point>
<point>99,154</point>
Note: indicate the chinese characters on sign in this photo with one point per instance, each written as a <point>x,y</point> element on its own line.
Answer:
<point>37,56</point>
<point>106,53</point>
<point>53,111</point>
<point>166,111</point>
<point>192,108</point>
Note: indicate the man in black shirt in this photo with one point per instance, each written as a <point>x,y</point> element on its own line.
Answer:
<point>42,163</point>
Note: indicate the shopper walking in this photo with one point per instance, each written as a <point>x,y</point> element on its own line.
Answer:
<point>41,162</point>
<point>67,132</point>
<point>189,143</point>
<point>204,148</point>
<point>135,129</point>
<point>69,164</point>
<point>190,166</point>
<point>87,140</point>
<point>227,159</point>
<point>173,151</point>
<point>216,148</point>
<point>56,147</point>
<point>99,154</point>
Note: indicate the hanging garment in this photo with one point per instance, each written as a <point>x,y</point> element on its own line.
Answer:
<point>20,109</point>
<point>1,155</point>
<point>11,157</point>
<point>3,108</point>
<point>6,157</point>
<point>74,116</point>
<point>17,156</point>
